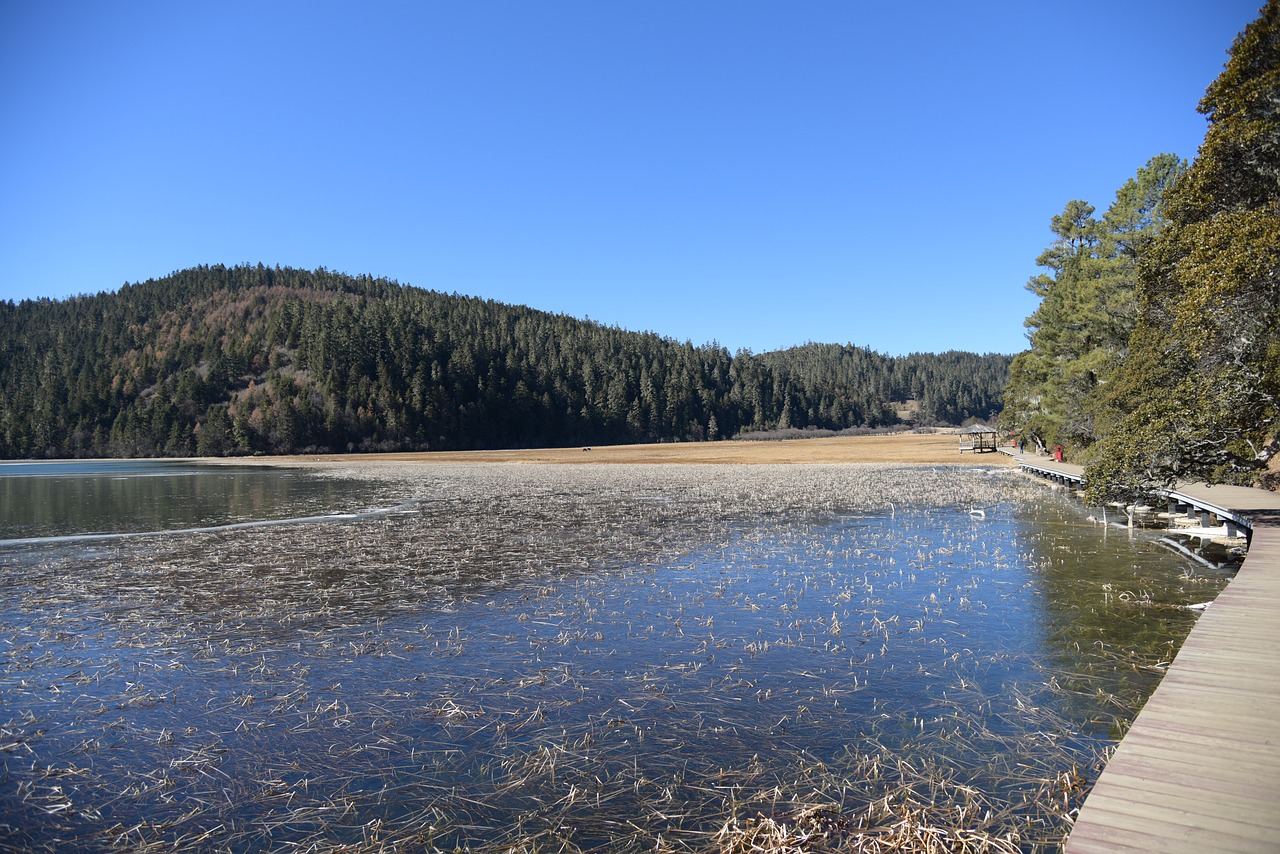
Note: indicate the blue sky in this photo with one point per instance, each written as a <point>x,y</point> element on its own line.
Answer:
<point>758,174</point>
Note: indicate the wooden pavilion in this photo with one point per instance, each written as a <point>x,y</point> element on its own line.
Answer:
<point>978,438</point>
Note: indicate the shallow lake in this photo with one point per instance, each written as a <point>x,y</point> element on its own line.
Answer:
<point>86,497</point>
<point>586,658</point>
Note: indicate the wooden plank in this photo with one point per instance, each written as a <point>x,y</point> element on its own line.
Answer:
<point>1099,838</point>
<point>1169,725</point>
<point>1184,770</point>
<point>1209,792</point>
<point>1192,753</point>
<point>1251,813</point>
<point>1186,778</point>
<point>1174,832</point>
<point>1208,684</point>
<point>1221,640</point>
<point>1241,657</point>
<point>1148,807</point>
<point>1250,750</point>
<point>1240,640</point>
<point>1228,680</point>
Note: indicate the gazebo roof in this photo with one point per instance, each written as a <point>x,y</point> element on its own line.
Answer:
<point>979,428</point>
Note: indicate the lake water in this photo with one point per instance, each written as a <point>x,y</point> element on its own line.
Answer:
<point>84,498</point>
<point>578,658</point>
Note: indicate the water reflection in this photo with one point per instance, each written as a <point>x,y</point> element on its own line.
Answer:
<point>1116,607</point>
<point>109,496</point>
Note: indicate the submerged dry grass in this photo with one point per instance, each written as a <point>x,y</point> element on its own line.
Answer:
<point>553,658</point>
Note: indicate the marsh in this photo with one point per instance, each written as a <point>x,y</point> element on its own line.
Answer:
<point>578,657</point>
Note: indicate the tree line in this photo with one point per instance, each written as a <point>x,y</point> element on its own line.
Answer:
<point>219,360</point>
<point>1155,351</point>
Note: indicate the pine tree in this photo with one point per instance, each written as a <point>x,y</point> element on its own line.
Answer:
<point>1199,396</point>
<point>1079,334</point>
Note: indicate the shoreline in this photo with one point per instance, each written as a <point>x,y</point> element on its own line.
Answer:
<point>897,449</point>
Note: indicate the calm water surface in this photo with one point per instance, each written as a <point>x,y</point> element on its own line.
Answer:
<point>54,499</point>
<point>519,661</point>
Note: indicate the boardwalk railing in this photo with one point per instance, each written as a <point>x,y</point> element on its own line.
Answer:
<point>1239,507</point>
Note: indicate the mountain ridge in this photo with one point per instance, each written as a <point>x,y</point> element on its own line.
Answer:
<point>216,360</point>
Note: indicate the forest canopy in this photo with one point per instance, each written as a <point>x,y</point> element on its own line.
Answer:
<point>253,359</point>
<point>1155,352</point>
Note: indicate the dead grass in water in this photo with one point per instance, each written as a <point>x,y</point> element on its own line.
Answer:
<point>540,658</point>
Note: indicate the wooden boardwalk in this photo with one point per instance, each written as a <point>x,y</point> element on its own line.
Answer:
<point>1199,769</point>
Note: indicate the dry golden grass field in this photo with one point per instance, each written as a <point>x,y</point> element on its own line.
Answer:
<point>892,449</point>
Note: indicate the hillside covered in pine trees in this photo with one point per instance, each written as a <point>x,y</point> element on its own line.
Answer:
<point>223,361</point>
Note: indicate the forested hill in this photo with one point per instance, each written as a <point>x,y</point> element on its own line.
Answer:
<point>220,361</point>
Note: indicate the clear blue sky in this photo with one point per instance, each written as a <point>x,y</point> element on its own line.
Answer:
<point>760,174</point>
